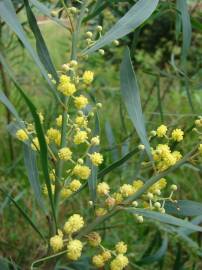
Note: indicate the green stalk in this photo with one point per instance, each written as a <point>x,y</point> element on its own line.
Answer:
<point>59,169</point>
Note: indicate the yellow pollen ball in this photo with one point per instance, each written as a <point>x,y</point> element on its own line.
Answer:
<point>103,188</point>
<point>22,135</point>
<point>56,243</point>
<point>126,190</point>
<point>65,192</point>
<point>74,248</point>
<point>65,153</point>
<point>75,185</point>
<point>161,131</point>
<point>64,79</point>
<point>88,77</point>
<point>106,255</point>
<point>95,140</point>
<point>59,121</point>
<point>74,224</point>
<point>119,262</point>
<point>96,158</point>
<point>54,135</point>
<point>67,88</point>
<point>82,171</point>
<point>80,137</point>
<point>121,248</point>
<point>81,121</point>
<point>98,261</point>
<point>80,102</point>
<point>177,135</point>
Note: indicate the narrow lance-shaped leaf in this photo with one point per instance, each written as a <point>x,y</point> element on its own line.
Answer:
<point>137,15</point>
<point>186,27</point>
<point>131,98</point>
<point>184,208</point>
<point>33,176</point>
<point>43,9</point>
<point>7,13</point>
<point>40,43</point>
<point>165,218</point>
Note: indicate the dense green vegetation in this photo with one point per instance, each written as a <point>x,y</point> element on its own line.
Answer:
<point>163,41</point>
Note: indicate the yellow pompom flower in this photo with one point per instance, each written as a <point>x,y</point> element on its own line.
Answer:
<point>59,121</point>
<point>75,185</point>
<point>161,131</point>
<point>80,102</point>
<point>119,262</point>
<point>56,243</point>
<point>100,212</point>
<point>65,193</point>
<point>96,158</point>
<point>74,249</point>
<point>200,148</point>
<point>137,184</point>
<point>35,144</point>
<point>64,79</point>
<point>88,77</point>
<point>67,88</point>
<point>80,137</point>
<point>82,171</point>
<point>98,261</point>
<point>126,190</point>
<point>106,255</point>
<point>74,224</point>
<point>177,135</point>
<point>103,188</point>
<point>81,121</point>
<point>95,140</point>
<point>94,239</point>
<point>118,197</point>
<point>65,153</point>
<point>22,135</point>
<point>54,135</point>
<point>177,155</point>
<point>121,247</point>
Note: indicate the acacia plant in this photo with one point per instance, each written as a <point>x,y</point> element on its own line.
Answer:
<point>63,156</point>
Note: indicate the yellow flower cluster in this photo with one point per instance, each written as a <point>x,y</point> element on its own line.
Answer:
<point>54,135</point>
<point>74,224</point>
<point>65,153</point>
<point>164,158</point>
<point>119,263</point>
<point>161,131</point>
<point>22,135</point>
<point>94,239</point>
<point>74,249</point>
<point>80,137</point>
<point>103,188</point>
<point>96,158</point>
<point>177,135</point>
<point>88,77</point>
<point>82,171</point>
<point>65,86</point>
<point>56,242</point>
<point>80,102</point>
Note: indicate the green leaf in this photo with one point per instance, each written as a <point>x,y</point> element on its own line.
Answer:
<point>7,13</point>
<point>41,138</point>
<point>111,140</point>
<point>158,255</point>
<point>165,218</point>
<point>139,13</point>
<point>186,27</point>
<point>131,98</point>
<point>184,208</point>
<point>23,213</point>
<point>9,105</point>
<point>33,176</point>
<point>41,47</point>
<point>92,180</point>
<point>43,9</point>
